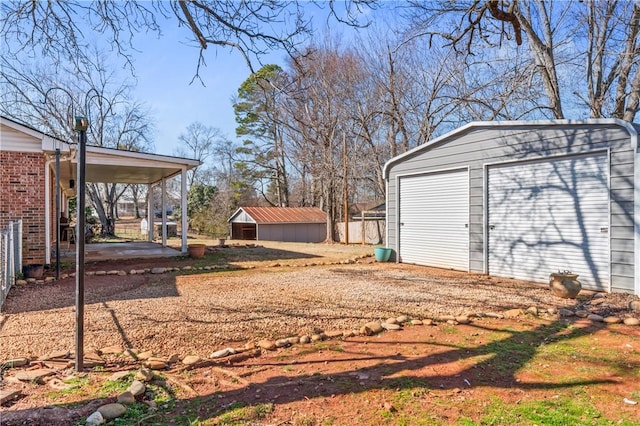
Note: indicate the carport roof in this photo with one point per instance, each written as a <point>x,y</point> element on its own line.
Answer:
<point>283,214</point>
<point>106,165</point>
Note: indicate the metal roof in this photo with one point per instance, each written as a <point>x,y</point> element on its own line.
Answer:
<point>283,214</point>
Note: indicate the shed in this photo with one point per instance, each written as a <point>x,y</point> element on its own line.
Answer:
<point>291,224</point>
<point>522,199</point>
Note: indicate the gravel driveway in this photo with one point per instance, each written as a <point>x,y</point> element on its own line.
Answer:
<point>204,312</point>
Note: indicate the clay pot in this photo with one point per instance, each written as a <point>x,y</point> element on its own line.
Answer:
<point>196,250</point>
<point>566,286</point>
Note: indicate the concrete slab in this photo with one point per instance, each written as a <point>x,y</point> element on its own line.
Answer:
<point>125,250</point>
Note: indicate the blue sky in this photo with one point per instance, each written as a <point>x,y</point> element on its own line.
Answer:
<point>165,68</point>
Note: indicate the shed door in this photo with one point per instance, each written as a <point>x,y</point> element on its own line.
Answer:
<point>434,218</point>
<point>548,216</point>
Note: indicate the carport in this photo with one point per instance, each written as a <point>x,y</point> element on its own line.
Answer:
<point>106,165</point>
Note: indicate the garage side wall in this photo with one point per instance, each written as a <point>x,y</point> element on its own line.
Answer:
<point>293,232</point>
<point>478,147</point>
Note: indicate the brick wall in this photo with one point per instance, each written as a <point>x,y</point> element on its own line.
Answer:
<point>22,189</point>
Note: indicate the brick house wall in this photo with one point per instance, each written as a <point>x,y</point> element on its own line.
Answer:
<point>23,197</point>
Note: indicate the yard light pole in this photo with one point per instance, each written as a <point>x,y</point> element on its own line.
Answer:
<point>80,124</point>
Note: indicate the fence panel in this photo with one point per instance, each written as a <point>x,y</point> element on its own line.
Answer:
<point>10,257</point>
<point>374,231</point>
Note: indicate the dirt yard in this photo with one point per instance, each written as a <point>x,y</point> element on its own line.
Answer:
<point>494,351</point>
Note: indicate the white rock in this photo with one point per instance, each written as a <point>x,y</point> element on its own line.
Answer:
<point>137,388</point>
<point>112,411</point>
<point>94,419</point>
<point>222,353</point>
<point>158,270</point>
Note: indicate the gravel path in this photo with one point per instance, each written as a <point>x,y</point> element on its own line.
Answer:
<point>201,313</point>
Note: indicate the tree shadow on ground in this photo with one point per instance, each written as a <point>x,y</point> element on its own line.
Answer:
<point>494,364</point>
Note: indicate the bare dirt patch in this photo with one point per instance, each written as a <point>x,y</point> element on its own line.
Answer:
<point>442,374</point>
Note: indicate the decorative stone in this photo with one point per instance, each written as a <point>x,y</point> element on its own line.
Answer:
<point>305,339</point>
<point>582,314</point>
<point>126,398</point>
<point>333,334</point>
<point>416,322</point>
<point>612,320</point>
<point>371,328</point>
<point>267,344</point>
<point>427,321</point>
<point>565,312</point>
<point>122,273</point>
<point>118,375</point>
<point>565,285</point>
<point>631,321</point>
<point>391,327</point>
<point>493,315</point>
<point>634,305</point>
<point>191,359</point>
<point>293,340</point>
<point>463,320</point>
<point>318,337</point>
<point>113,272</point>
<point>136,388</point>
<point>282,343</point>
<point>155,364</point>
<point>402,319</point>
<point>49,279</point>
<point>595,318</point>
<point>598,301</point>
<point>145,355</point>
<point>55,355</point>
<point>513,313</point>
<point>144,374</point>
<point>16,362</point>
<point>348,333</point>
<point>249,345</point>
<point>34,375</point>
<point>94,419</point>
<point>112,411</point>
<point>131,353</point>
<point>21,282</point>
<point>391,321</point>
<point>157,270</point>
<point>222,353</point>
<point>445,318</point>
<point>100,273</point>
<point>552,310</point>
<point>7,395</point>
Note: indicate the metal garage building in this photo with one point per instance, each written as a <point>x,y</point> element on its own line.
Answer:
<point>291,224</point>
<point>522,199</point>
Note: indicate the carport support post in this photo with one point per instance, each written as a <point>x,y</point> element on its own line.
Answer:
<point>183,208</point>
<point>57,221</point>
<point>81,124</point>
<point>163,199</point>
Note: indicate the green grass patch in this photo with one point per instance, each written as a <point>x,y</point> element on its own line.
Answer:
<point>241,414</point>
<point>561,411</point>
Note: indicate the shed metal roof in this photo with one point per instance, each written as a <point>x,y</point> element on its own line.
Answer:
<point>283,214</point>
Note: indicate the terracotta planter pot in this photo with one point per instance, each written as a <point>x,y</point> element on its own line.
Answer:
<point>196,250</point>
<point>566,286</point>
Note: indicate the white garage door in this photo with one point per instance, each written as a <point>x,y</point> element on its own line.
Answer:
<point>548,216</point>
<point>434,218</point>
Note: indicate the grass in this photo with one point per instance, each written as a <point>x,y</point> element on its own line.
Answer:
<point>560,411</point>
<point>240,414</point>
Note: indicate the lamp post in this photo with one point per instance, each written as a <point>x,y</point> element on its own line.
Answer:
<point>80,124</point>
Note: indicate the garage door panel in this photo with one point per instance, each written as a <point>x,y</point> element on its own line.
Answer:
<point>434,216</point>
<point>548,216</point>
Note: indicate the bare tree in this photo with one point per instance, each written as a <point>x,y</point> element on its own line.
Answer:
<point>200,142</point>
<point>57,29</point>
<point>116,120</point>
